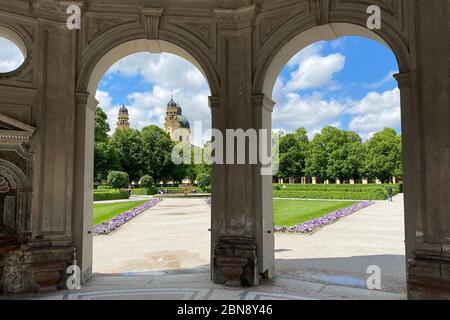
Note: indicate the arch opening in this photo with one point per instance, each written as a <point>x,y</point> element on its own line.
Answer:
<point>137,46</point>
<point>126,111</point>
<point>304,39</point>
<point>14,51</point>
<point>322,263</point>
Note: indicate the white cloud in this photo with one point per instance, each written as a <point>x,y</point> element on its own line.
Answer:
<point>310,51</point>
<point>167,75</point>
<point>367,116</point>
<point>316,72</point>
<point>311,112</point>
<point>166,70</point>
<point>389,78</point>
<point>10,56</point>
<point>375,112</point>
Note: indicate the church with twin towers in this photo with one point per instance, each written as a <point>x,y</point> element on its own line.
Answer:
<point>175,123</point>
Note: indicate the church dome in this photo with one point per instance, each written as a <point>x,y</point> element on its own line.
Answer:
<point>184,122</point>
<point>172,103</point>
<point>123,109</point>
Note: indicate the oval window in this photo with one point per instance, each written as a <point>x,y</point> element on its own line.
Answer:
<point>12,51</point>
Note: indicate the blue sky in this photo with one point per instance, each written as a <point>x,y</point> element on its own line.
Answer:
<point>347,83</point>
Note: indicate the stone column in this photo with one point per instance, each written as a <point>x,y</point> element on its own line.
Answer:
<point>237,207</point>
<point>83,181</point>
<point>427,178</point>
<point>50,249</point>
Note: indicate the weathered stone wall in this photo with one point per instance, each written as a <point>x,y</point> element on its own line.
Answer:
<point>240,46</point>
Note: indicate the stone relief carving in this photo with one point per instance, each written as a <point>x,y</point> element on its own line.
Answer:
<point>97,25</point>
<point>203,31</point>
<point>4,185</point>
<point>12,272</point>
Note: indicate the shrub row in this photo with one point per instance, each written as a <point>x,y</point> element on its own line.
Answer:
<point>336,187</point>
<point>334,192</point>
<point>377,194</point>
<point>110,195</point>
<point>179,190</point>
<point>144,191</point>
<point>104,188</point>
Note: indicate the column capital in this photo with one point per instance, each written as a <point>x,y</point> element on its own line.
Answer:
<point>53,10</point>
<point>214,102</point>
<point>403,79</point>
<point>237,20</point>
<point>262,101</point>
<point>85,99</point>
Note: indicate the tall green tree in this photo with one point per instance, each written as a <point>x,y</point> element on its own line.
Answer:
<point>128,144</point>
<point>156,153</point>
<point>335,154</point>
<point>101,125</point>
<point>293,152</point>
<point>106,159</point>
<point>384,156</point>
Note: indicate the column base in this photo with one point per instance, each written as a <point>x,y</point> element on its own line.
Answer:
<point>428,279</point>
<point>235,262</point>
<point>34,269</point>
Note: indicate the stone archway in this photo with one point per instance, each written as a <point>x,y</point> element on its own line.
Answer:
<point>282,50</point>
<point>235,43</point>
<point>85,115</point>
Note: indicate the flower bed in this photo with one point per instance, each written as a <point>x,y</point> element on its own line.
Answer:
<point>116,222</point>
<point>315,224</point>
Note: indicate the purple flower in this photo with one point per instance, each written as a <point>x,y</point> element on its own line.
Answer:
<point>312,225</point>
<point>116,222</point>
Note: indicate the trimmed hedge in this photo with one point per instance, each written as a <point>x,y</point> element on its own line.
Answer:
<point>110,195</point>
<point>144,191</point>
<point>105,188</point>
<point>180,190</point>
<point>333,192</point>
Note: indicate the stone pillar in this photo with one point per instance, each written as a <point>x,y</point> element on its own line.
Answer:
<point>50,249</point>
<point>427,178</point>
<point>365,181</point>
<point>237,240</point>
<point>314,180</point>
<point>85,107</point>
<point>352,181</point>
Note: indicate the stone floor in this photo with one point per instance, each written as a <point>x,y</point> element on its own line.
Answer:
<point>173,236</point>
<point>195,285</point>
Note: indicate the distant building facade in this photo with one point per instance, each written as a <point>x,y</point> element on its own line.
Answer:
<point>175,123</point>
<point>123,121</point>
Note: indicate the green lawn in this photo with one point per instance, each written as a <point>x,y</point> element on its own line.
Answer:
<point>106,211</point>
<point>288,213</point>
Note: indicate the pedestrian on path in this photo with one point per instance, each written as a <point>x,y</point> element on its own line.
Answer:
<point>390,193</point>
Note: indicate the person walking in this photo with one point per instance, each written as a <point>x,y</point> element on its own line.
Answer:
<point>390,193</point>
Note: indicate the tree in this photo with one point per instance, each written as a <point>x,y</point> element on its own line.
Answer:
<point>106,159</point>
<point>204,180</point>
<point>156,153</point>
<point>128,144</point>
<point>147,182</point>
<point>384,156</point>
<point>335,154</point>
<point>118,179</point>
<point>293,153</point>
<point>101,126</point>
